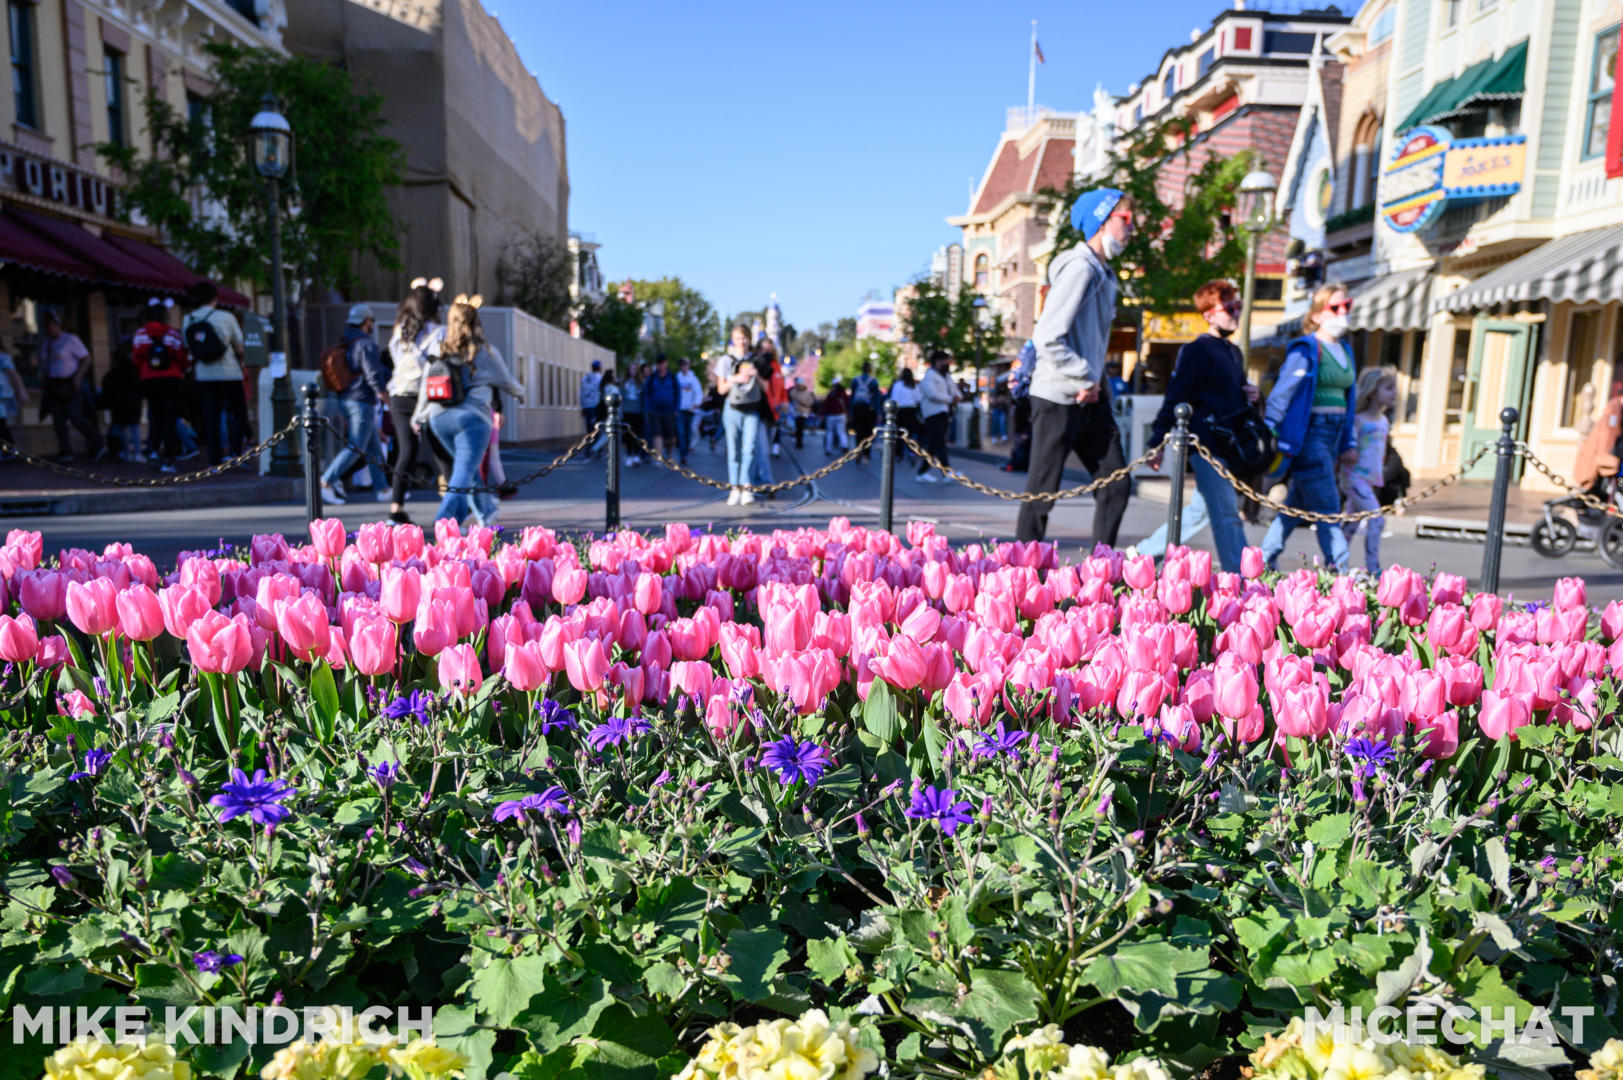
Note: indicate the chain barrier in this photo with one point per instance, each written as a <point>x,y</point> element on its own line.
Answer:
<point>1345,517</point>
<point>1029,496</point>
<point>480,489</point>
<point>757,489</point>
<point>10,450</point>
<point>1595,503</point>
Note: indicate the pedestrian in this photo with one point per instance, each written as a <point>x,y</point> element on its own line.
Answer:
<point>691,401</point>
<point>368,388</point>
<point>865,398</point>
<point>1209,376</point>
<point>905,393</point>
<point>998,411</point>
<point>1600,455</point>
<point>464,426</point>
<point>13,397</point>
<point>216,346</point>
<point>120,396</point>
<point>600,447</point>
<point>739,383</point>
<point>1311,413</point>
<point>804,402</point>
<point>1118,385</point>
<point>66,399</point>
<point>160,359</point>
<point>632,409</point>
<point>1070,399</point>
<point>1376,393</point>
<point>773,411</point>
<point>591,396</point>
<point>937,398</point>
<point>834,410</point>
<point>418,337</point>
<point>1020,408</point>
<point>661,403</point>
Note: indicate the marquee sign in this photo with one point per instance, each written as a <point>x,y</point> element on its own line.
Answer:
<point>1430,168</point>
<point>26,173</point>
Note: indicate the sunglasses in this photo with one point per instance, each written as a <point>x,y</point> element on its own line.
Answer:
<point>1339,309</point>
<point>1233,307</point>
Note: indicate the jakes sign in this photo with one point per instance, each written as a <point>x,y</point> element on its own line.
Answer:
<point>1430,168</point>
<point>30,174</point>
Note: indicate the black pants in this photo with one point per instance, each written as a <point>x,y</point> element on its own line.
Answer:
<point>935,439</point>
<point>405,444</point>
<point>69,406</point>
<point>217,398</point>
<point>163,412</point>
<point>1089,431</point>
<point>862,424</point>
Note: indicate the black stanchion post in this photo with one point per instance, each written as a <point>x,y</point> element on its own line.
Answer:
<point>1175,470</point>
<point>311,419</point>
<point>611,492</point>
<point>887,465</point>
<point>1494,543</point>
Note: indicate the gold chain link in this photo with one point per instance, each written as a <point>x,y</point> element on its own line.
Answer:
<point>1029,496</point>
<point>1596,504</point>
<point>482,489</point>
<point>758,489</point>
<point>11,450</point>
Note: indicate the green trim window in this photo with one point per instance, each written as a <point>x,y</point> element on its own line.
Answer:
<point>1602,77</point>
<point>20,22</point>
<point>113,75</point>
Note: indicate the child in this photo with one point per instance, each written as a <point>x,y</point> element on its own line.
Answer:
<point>1376,393</point>
<point>13,396</point>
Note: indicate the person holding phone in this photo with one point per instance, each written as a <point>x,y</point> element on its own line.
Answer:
<point>739,384</point>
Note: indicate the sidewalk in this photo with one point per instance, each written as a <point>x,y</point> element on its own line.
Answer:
<point>28,489</point>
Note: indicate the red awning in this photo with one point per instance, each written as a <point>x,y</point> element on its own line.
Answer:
<point>163,262</point>
<point>113,267</point>
<point>24,248</point>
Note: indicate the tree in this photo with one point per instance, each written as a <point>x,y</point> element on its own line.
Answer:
<point>691,324</point>
<point>534,273</point>
<point>613,324</point>
<point>804,342</point>
<point>845,329</point>
<point>932,320</point>
<point>1178,246</point>
<point>201,188</point>
<point>845,359</point>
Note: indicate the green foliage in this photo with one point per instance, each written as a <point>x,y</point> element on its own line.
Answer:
<point>931,320</point>
<point>1181,243</point>
<point>534,273</point>
<point>691,324</point>
<point>613,324</point>
<point>845,359</point>
<point>201,187</point>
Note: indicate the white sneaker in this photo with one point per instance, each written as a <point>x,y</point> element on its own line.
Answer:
<point>333,493</point>
<point>745,498</point>
<point>733,496</point>
<point>385,496</point>
<point>928,477</point>
<point>777,450</point>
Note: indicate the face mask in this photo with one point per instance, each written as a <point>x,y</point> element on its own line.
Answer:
<point>1112,246</point>
<point>1334,325</point>
<point>1222,333</point>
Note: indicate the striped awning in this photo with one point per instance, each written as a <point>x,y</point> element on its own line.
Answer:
<point>1283,333</point>
<point>1392,301</point>
<point>1580,268</point>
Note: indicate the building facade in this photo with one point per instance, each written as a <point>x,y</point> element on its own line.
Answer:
<point>877,319</point>
<point>81,71</point>
<point>485,159</point>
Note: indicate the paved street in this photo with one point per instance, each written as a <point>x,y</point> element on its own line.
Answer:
<point>572,500</point>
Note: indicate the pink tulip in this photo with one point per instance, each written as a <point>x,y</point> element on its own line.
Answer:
<point>922,624</point>
<point>375,542</point>
<point>1427,697</point>
<point>586,665</point>
<point>1235,683</point>
<point>302,622</point>
<point>458,670</point>
<point>1611,620</point>
<point>647,593</point>
<point>373,645</point>
<point>182,606</point>
<point>1485,611</point>
<point>1503,714</point>
<point>327,536</point>
<point>75,704</point>
<point>1439,737</point>
<point>44,594</point>
<point>435,628</point>
<point>1570,593</point>
<point>218,644</point>
<point>1448,589</point>
<point>1462,680</point>
<point>408,541</point>
<point>53,652</point>
<point>968,702</point>
<point>569,585</point>
<point>1396,585</point>
<point>902,664</point>
<point>93,606</point>
<point>1252,564</point>
<point>140,615</point>
<point>1139,572</point>
<point>19,639</point>
<point>1306,714</point>
<point>402,593</point>
<point>525,668</point>
<point>1447,627</point>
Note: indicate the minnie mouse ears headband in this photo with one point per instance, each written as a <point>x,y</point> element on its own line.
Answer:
<point>473,301</point>
<point>434,284</point>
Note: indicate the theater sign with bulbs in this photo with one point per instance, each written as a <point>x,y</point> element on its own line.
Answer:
<point>1430,169</point>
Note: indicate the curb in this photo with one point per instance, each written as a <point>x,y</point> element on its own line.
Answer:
<point>139,500</point>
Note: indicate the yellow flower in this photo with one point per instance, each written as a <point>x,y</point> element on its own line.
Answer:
<point>1605,1063</point>
<point>421,1059</point>
<point>94,1059</point>
<point>1142,1068</point>
<point>1355,1061</point>
<point>1083,1063</point>
<point>297,1061</point>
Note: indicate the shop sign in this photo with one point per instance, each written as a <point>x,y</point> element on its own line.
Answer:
<point>23,173</point>
<point>1173,326</point>
<point>1430,168</point>
<point>255,340</point>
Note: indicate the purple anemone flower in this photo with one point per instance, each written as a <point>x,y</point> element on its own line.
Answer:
<point>384,773</point>
<point>1000,742</point>
<point>260,798</point>
<point>415,704</point>
<point>554,716</point>
<point>796,761</point>
<point>941,805</point>
<point>553,802</point>
<point>210,962</point>
<point>95,762</point>
<point>616,730</point>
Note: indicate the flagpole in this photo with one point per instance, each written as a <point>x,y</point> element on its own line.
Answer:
<point>1031,78</point>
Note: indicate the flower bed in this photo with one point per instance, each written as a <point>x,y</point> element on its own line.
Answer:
<point>590,801</point>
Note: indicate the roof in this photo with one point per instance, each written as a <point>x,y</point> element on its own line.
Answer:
<point>1330,93</point>
<point>1046,165</point>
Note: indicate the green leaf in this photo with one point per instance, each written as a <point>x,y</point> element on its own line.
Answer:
<point>455,1029</point>
<point>996,1001</point>
<point>1146,967</point>
<point>324,692</point>
<point>562,1011</point>
<point>1498,865</point>
<point>879,715</point>
<point>1328,832</point>
<point>1394,984</point>
<point>504,987</point>
<point>754,957</point>
<point>828,959</point>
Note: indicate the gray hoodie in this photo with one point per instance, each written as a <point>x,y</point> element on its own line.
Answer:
<point>1074,331</point>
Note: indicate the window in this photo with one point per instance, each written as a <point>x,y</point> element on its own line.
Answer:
<point>1458,375</point>
<point>1385,22</point>
<point>981,266</point>
<point>1486,5</point>
<point>1167,88</point>
<point>1602,77</point>
<point>113,75</point>
<point>1204,64</point>
<point>1392,349</point>
<point>198,110</point>
<point>1451,14</point>
<point>21,21</point>
<point>1286,41</point>
<point>1409,405</point>
<point>1583,353</point>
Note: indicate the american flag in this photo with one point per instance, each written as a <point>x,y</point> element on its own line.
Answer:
<point>1039,49</point>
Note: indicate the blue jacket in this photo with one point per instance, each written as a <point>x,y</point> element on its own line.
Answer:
<point>369,372</point>
<point>1290,403</point>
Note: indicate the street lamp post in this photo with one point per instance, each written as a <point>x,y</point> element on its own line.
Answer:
<point>1256,218</point>
<point>272,142</point>
<point>973,441</point>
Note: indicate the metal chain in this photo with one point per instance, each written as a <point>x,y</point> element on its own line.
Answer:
<point>1029,496</point>
<point>759,489</point>
<point>1345,517</point>
<point>481,489</point>
<point>11,450</point>
<point>1597,504</point>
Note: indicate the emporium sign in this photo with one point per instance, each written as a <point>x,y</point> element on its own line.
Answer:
<point>1430,168</point>
<point>24,173</point>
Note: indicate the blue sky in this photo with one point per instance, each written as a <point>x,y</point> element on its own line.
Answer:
<point>808,149</point>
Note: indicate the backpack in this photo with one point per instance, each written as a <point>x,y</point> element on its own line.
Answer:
<point>204,342</point>
<point>159,358</point>
<point>445,383</point>
<point>335,372</point>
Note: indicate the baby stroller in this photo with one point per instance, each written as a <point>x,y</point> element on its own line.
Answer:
<point>1567,519</point>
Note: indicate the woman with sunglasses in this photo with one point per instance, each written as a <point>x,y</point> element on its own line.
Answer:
<point>1311,413</point>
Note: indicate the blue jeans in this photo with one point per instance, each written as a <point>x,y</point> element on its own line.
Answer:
<point>999,422</point>
<point>466,433</point>
<point>761,473</point>
<point>1211,490</point>
<point>363,432</point>
<point>743,430</point>
<point>1313,487</point>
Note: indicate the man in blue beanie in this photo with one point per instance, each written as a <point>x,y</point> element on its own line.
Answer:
<point>1070,397</point>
